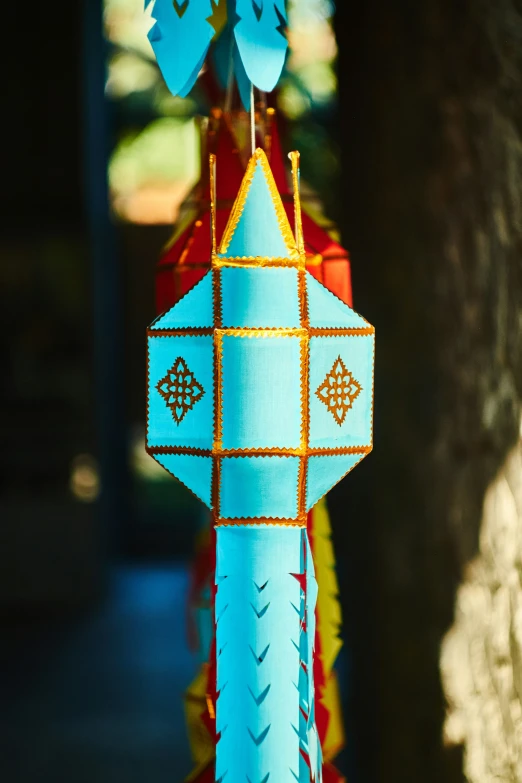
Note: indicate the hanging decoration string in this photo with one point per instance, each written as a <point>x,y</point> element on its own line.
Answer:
<point>252,119</point>
<point>264,124</point>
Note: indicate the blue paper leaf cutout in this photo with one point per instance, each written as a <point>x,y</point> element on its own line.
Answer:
<point>261,41</point>
<point>258,740</point>
<point>262,611</point>
<point>262,696</point>
<point>265,779</point>
<point>180,38</point>
<point>260,658</point>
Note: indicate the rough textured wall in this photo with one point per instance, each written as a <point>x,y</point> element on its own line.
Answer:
<point>431,209</point>
<point>482,653</point>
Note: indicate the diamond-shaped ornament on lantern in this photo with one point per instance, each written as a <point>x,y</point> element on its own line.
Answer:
<point>260,344</point>
<point>180,390</point>
<point>338,391</point>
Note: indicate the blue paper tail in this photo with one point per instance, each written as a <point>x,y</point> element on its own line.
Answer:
<point>265,626</point>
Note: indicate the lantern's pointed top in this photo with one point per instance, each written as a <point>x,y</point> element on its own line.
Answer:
<point>258,226</point>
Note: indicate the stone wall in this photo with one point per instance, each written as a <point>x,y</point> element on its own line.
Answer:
<point>481,659</point>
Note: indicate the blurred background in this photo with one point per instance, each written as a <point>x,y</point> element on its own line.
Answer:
<point>409,124</point>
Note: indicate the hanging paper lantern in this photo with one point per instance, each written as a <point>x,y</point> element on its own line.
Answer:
<point>280,373</point>
<point>329,263</point>
<point>250,43</point>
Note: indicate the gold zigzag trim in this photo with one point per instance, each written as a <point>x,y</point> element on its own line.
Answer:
<point>218,373</point>
<point>253,261</point>
<point>305,401</point>
<point>301,489</point>
<point>212,173</point>
<point>255,521</point>
<point>304,355</point>
<point>267,451</point>
<point>311,261</point>
<point>239,205</point>
<point>261,331</point>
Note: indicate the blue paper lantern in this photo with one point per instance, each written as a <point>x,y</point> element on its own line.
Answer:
<point>260,395</point>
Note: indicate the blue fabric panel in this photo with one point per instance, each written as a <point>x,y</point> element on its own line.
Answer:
<point>194,472</point>
<point>259,487</point>
<point>260,297</point>
<point>261,392</point>
<point>181,40</point>
<point>257,232</point>
<point>326,310</point>
<point>196,429</point>
<point>240,551</point>
<point>323,473</point>
<point>261,40</point>
<point>356,353</point>
<point>258,661</point>
<point>194,310</point>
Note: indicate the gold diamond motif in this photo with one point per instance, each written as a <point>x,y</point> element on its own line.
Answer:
<point>338,391</point>
<point>180,390</point>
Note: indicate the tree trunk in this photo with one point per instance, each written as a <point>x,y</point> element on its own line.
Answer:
<point>431,210</point>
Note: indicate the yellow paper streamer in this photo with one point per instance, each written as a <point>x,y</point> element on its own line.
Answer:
<point>201,743</point>
<point>329,616</point>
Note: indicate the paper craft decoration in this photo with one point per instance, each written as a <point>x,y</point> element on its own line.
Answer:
<point>283,375</point>
<point>253,31</point>
<point>184,264</point>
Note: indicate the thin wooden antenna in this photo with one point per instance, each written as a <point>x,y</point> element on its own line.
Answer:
<point>294,157</point>
<point>213,196</point>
